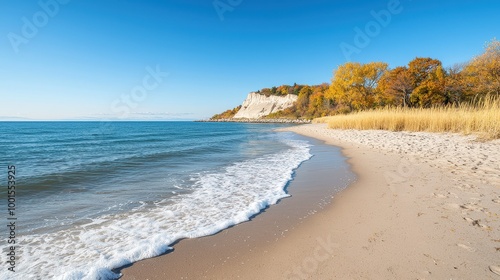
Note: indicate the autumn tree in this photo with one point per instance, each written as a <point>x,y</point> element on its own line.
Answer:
<point>296,89</point>
<point>430,91</point>
<point>422,68</point>
<point>427,78</point>
<point>319,104</point>
<point>395,87</point>
<point>482,74</point>
<point>303,99</point>
<point>354,85</point>
<point>455,88</point>
<point>226,114</point>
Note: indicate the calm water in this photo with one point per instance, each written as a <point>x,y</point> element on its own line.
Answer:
<point>96,196</point>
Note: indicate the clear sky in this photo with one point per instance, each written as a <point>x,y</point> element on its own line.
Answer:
<point>187,59</point>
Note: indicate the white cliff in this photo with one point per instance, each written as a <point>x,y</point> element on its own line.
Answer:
<point>258,105</point>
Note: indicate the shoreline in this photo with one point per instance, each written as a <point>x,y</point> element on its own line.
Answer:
<point>424,206</point>
<point>292,121</point>
<point>202,257</point>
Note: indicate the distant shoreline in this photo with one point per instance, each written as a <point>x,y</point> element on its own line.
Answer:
<point>296,121</point>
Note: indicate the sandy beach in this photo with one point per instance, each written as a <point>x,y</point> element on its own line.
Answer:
<point>423,206</point>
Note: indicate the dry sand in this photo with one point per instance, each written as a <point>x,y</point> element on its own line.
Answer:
<point>424,206</point>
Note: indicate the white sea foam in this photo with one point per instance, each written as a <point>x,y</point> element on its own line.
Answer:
<point>219,200</point>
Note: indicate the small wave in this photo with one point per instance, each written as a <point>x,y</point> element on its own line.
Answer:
<point>69,178</point>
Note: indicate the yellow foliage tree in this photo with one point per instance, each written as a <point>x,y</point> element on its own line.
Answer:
<point>430,91</point>
<point>421,84</point>
<point>482,74</point>
<point>303,98</point>
<point>354,85</point>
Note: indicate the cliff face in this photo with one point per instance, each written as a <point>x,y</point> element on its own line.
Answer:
<point>256,105</point>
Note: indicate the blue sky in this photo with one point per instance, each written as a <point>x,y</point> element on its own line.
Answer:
<point>177,59</point>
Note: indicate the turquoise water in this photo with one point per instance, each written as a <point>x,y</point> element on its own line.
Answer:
<point>95,196</point>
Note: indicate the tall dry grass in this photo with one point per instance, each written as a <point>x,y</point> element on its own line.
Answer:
<point>481,118</point>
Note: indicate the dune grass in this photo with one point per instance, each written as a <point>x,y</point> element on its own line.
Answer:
<point>481,118</point>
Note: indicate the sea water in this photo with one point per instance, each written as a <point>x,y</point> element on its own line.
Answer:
<point>94,196</point>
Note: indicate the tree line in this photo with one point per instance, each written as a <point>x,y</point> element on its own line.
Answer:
<point>423,83</point>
